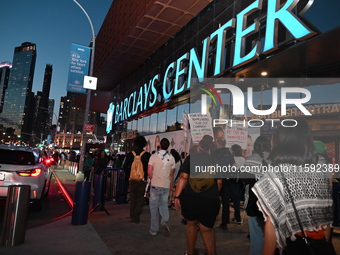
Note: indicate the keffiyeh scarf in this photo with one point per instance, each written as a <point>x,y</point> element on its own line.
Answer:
<point>312,195</point>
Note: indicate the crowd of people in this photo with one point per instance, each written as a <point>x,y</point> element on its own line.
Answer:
<point>286,209</point>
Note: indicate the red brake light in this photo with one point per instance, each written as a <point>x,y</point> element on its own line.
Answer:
<point>32,172</point>
<point>48,161</point>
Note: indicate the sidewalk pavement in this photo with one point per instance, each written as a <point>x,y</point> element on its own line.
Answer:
<point>116,234</point>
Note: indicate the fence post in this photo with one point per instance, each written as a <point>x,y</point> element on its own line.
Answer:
<point>16,214</point>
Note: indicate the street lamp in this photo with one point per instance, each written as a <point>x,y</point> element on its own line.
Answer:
<point>88,96</point>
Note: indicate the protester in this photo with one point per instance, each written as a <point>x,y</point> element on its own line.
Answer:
<point>223,157</point>
<point>237,186</point>
<point>100,163</point>
<point>137,187</point>
<point>178,162</point>
<point>56,157</point>
<point>199,207</point>
<point>255,218</point>
<point>295,199</point>
<point>161,170</point>
<point>63,159</point>
<point>88,164</point>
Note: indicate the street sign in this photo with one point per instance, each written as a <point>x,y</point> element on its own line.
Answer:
<point>88,127</point>
<point>90,82</point>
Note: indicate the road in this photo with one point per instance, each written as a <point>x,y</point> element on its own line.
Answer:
<point>54,206</point>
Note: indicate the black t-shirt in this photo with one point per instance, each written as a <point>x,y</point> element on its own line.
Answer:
<point>195,161</point>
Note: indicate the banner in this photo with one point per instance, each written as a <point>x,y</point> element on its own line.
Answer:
<point>79,67</point>
<point>175,138</point>
<point>200,125</point>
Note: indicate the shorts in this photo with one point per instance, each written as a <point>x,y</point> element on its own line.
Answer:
<point>204,210</point>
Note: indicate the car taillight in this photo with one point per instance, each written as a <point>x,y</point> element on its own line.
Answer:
<point>32,172</point>
<point>49,161</point>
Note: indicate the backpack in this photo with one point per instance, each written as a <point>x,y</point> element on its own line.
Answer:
<point>137,171</point>
<point>201,182</point>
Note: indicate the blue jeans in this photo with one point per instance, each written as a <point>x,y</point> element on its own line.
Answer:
<point>256,225</point>
<point>158,203</point>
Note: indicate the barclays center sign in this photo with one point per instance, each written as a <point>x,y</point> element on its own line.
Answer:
<point>197,64</point>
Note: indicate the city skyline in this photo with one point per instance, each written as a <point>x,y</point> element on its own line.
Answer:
<point>53,27</point>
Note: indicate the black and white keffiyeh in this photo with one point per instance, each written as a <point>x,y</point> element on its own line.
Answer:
<point>312,195</point>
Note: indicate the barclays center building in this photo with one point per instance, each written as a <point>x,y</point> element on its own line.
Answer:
<point>162,63</point>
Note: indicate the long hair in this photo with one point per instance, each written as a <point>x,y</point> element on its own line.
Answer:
<point>293,145</point>
<point>262,144</point>
<point>176,155</point>
<point>237,150</point>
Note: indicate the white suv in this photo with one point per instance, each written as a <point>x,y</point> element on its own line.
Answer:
<point>24,166</point>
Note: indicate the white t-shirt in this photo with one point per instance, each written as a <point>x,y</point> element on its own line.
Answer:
<point>163,162</point>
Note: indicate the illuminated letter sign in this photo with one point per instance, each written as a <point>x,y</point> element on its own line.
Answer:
<point>147,94</point>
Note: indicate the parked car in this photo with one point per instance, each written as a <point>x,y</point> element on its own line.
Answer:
<point>24,166</point>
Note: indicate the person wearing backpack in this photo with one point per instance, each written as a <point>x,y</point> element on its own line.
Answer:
<point>161,171</point>
<point>135,166</point>
<point>198,197</point>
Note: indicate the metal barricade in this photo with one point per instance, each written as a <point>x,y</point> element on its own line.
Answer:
<point>111,183</point>
<point>116,185</point>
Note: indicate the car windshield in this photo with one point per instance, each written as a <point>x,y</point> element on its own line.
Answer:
<point>13,157</point>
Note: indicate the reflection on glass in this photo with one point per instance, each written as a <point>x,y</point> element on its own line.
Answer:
<point>140,126</point>
<point>129,126</point>
<point>161,122</point>
<point>180,111</point>
<point>146,125</point>
<point>153,123</point>
<point>171,117</point>
<point>195,107</point>
<point>134,125</point>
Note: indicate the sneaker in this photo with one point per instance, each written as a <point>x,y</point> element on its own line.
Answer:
<point>235,221</point>
<point>166,230</point>
<point>152,233</point>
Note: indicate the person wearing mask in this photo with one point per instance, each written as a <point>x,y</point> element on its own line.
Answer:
<point>137,187</point>
<point>296,201</point>
<point>200,201</point>
<point>161,169</point>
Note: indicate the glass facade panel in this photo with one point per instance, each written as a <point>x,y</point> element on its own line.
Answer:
<point>140,126</point>
<point>161,122</point>
<point>171,117</point>
<point>180,111</point>
<point>153,123</point>
<point>129,126</point>
<point>134,125</point>
<point>146,125</point>
<point>195,107</point>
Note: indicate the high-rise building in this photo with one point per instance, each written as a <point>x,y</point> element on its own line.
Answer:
<point>71,116</point>
<point>5,68</point>
<point>18,97</point>
<point>41,124</point>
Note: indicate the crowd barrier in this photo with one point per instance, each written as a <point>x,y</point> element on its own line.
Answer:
<point>116,185</point>
<point>72,167</point>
